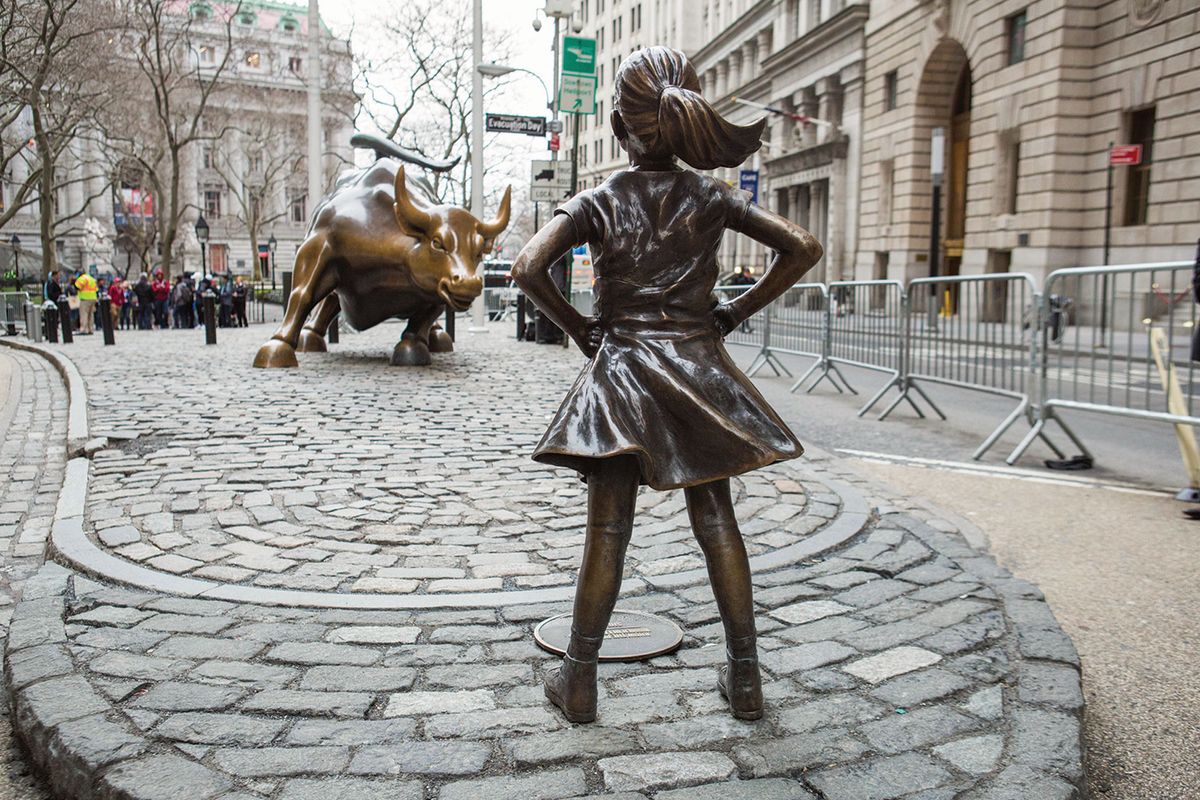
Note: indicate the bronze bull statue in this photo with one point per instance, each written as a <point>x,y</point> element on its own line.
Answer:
<point>380,246</point>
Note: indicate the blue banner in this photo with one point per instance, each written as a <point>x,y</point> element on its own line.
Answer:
<point>748,179</point>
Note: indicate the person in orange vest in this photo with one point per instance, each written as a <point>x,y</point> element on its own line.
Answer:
<point>85,284</point>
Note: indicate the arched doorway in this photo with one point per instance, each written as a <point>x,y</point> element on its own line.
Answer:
<point>944,101</point>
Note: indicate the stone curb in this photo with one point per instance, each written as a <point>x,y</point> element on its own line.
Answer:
<point>78,436</point>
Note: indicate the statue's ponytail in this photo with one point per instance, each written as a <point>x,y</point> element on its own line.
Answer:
<point>659,101</point>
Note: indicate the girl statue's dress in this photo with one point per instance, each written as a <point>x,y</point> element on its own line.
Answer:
<point>662,387</point>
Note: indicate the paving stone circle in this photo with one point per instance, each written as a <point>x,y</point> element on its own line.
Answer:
<point>902,663</point>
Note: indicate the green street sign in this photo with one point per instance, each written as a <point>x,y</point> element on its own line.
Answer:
<point>577,94</point>
<point>579,55</point>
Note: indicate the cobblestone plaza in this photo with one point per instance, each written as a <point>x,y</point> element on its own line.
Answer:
<point>322,583</point>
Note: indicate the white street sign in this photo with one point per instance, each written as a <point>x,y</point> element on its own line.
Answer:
<point>550,181</point>
<point>578,94</point>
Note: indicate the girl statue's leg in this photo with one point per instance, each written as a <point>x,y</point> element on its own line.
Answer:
<point>710,509</point>
<point>612,493</point>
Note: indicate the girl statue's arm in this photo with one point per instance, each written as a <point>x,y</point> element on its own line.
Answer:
<point>531,271</point>
<point>798,252</point>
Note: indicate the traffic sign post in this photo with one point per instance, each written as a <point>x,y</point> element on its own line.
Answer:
<point>1119,155</point>
<point>550,182</point>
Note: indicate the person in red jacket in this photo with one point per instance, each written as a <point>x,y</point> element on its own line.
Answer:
<point>162,294</point>
<point>116,296</point>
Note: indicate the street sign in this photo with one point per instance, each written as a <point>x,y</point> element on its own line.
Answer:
<point>550,181</point>
<point>748,180</point>
<point>1125,155</point>
<point>514,123</point>
<point>555,143</point>
<point>578,94</point>
<point>579,55</point>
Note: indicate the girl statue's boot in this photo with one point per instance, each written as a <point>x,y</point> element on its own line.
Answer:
<point>740,682</point>
<point>572,687</point>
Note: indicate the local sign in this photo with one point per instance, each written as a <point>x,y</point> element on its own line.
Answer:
<point>550,181</point>
<point>1125,155</point>
<point>513,123</point>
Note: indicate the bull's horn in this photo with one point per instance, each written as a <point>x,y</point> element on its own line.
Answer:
<point>491,230</point>
<point>406,210</point>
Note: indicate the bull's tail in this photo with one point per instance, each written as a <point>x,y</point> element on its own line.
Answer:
<point>383,147</point>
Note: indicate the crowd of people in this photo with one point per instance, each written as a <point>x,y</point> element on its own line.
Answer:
<point>150,303</point>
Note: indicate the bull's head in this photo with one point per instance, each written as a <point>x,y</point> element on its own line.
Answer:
<point>450,243</point>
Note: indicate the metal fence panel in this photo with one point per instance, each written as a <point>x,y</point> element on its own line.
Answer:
<point>12,309</point>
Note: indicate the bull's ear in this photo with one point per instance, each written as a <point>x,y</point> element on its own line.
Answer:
<point>407,214</point>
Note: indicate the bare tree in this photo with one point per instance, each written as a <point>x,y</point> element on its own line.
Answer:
<point>419,94</point>
<point>179,57</point>
<point>52,55</point>
<point>256,162</point>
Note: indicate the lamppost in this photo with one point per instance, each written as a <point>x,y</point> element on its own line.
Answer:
<point>202,238</point>
<point>272,243</point>
<point>937,168</point>
<point>15,241</point>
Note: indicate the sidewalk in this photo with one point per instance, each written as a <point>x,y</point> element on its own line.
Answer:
<point>333,598</point>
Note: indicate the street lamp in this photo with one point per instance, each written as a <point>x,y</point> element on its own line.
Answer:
<point>202,237</point>
<point>492,70</point>
<point>15,241</point>
<point>272,243</point>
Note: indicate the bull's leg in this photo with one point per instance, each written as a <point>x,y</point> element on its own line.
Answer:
<point>439,340</point>
<point>413,349</point>
<point>312,338</point>
<point>313,282</point>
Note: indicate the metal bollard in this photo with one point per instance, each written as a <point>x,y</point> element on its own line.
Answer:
<point>332,332</point>
<point>106,323</point>
<point>521,317</point>
<point>210,317</point>
<point>64,321</point>
<point>449,326</point>
<point>33,322</point>
<point>50,320</point>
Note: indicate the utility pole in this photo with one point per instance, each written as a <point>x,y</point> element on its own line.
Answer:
<point>316,182</point>
<point>477,319</point>
<point>937,166</point>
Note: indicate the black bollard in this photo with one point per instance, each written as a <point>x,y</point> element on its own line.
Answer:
<point>521,317</point>
<point>50,321</point>
<point>449,326</point>
<point>210,317</point>
<point>332,333</point>
<point>64,320</point>
<point>106,322</point>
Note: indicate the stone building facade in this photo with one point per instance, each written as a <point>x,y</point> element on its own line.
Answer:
<point>265,81</point>
<point>1030,94</point>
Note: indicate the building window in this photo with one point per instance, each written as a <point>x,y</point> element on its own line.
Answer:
<point>1137,178</point>
<point>295,64</point>
<point>891,83</point>
<point>289,24</point>
<point>1014,35</point>
<point>887,191</point>
<point>253,59</point>
<point>1014,176</point>
<point>298,208</point>
<point>207,54</point>
<point>212,203</point>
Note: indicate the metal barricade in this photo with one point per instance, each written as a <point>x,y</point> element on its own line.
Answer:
<point>754,332</point>
<point>866,329</point>
<point>1096,355</point>
<point>12,311</point>
<point>797,324</point>
<point>971,332</point>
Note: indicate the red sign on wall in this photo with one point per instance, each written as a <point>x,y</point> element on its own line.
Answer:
<point>554,142</point>
<point>1125,155</point>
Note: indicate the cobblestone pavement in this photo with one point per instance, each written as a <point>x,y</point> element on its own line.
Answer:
<point>33,412</point>
<point>899,662</point>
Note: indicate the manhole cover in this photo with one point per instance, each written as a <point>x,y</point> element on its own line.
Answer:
<point>631,636</point>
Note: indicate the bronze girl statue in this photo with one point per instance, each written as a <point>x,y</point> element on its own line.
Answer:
<point>660,402</point>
